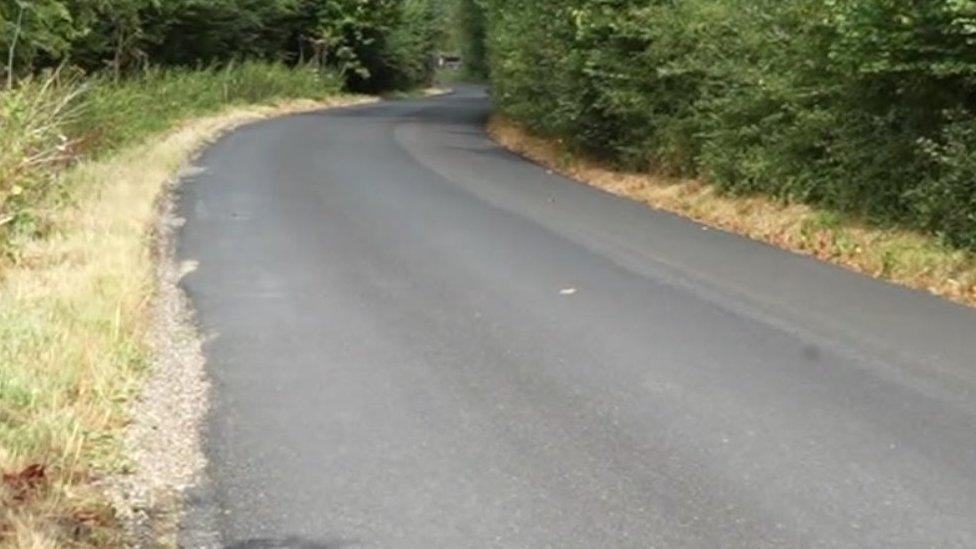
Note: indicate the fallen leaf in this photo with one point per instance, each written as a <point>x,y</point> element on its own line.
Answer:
<point>23,483</point>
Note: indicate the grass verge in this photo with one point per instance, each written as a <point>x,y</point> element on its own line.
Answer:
<point>74,297</point>
<point>901,256</point>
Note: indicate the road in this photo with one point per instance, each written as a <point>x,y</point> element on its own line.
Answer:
<point>417,339</point>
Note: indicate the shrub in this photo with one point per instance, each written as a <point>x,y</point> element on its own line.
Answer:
<point>374,44</point>
<point>855,105</point>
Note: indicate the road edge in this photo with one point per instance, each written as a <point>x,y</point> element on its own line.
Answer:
<point>164,440</point>
<point>898,256</point>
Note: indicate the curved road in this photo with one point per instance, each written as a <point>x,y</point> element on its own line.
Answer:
<point>417,339</point>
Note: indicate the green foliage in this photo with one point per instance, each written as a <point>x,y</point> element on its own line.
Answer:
<point>375,44</point>
<point>39,28</point>
<point>472,35</point>
<point>411,44</point>
<point>864,106</point>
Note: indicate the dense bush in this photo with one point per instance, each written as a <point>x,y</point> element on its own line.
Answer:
<point>472,35</point>
<point>374,43</point>
<point>864,106</point>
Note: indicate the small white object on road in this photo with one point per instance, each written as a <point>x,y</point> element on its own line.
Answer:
<point>568,291</point>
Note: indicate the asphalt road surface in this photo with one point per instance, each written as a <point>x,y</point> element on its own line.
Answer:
<point>417,339</point>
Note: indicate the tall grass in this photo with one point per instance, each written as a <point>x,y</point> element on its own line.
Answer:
<point>33,143</point>
<point>48,123</point>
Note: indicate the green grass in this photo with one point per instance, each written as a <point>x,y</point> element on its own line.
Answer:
<point>116,114</point>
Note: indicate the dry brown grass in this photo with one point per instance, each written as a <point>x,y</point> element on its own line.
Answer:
<point>73,324</point>
<point>901,256</point>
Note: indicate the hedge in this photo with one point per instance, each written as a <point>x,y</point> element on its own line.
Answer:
<point>861,106</point>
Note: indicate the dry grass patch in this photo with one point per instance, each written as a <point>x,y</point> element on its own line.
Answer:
<point>73,327</point>
<point>901,256</point>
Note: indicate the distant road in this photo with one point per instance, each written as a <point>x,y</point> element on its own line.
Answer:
<point>422,341</point>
